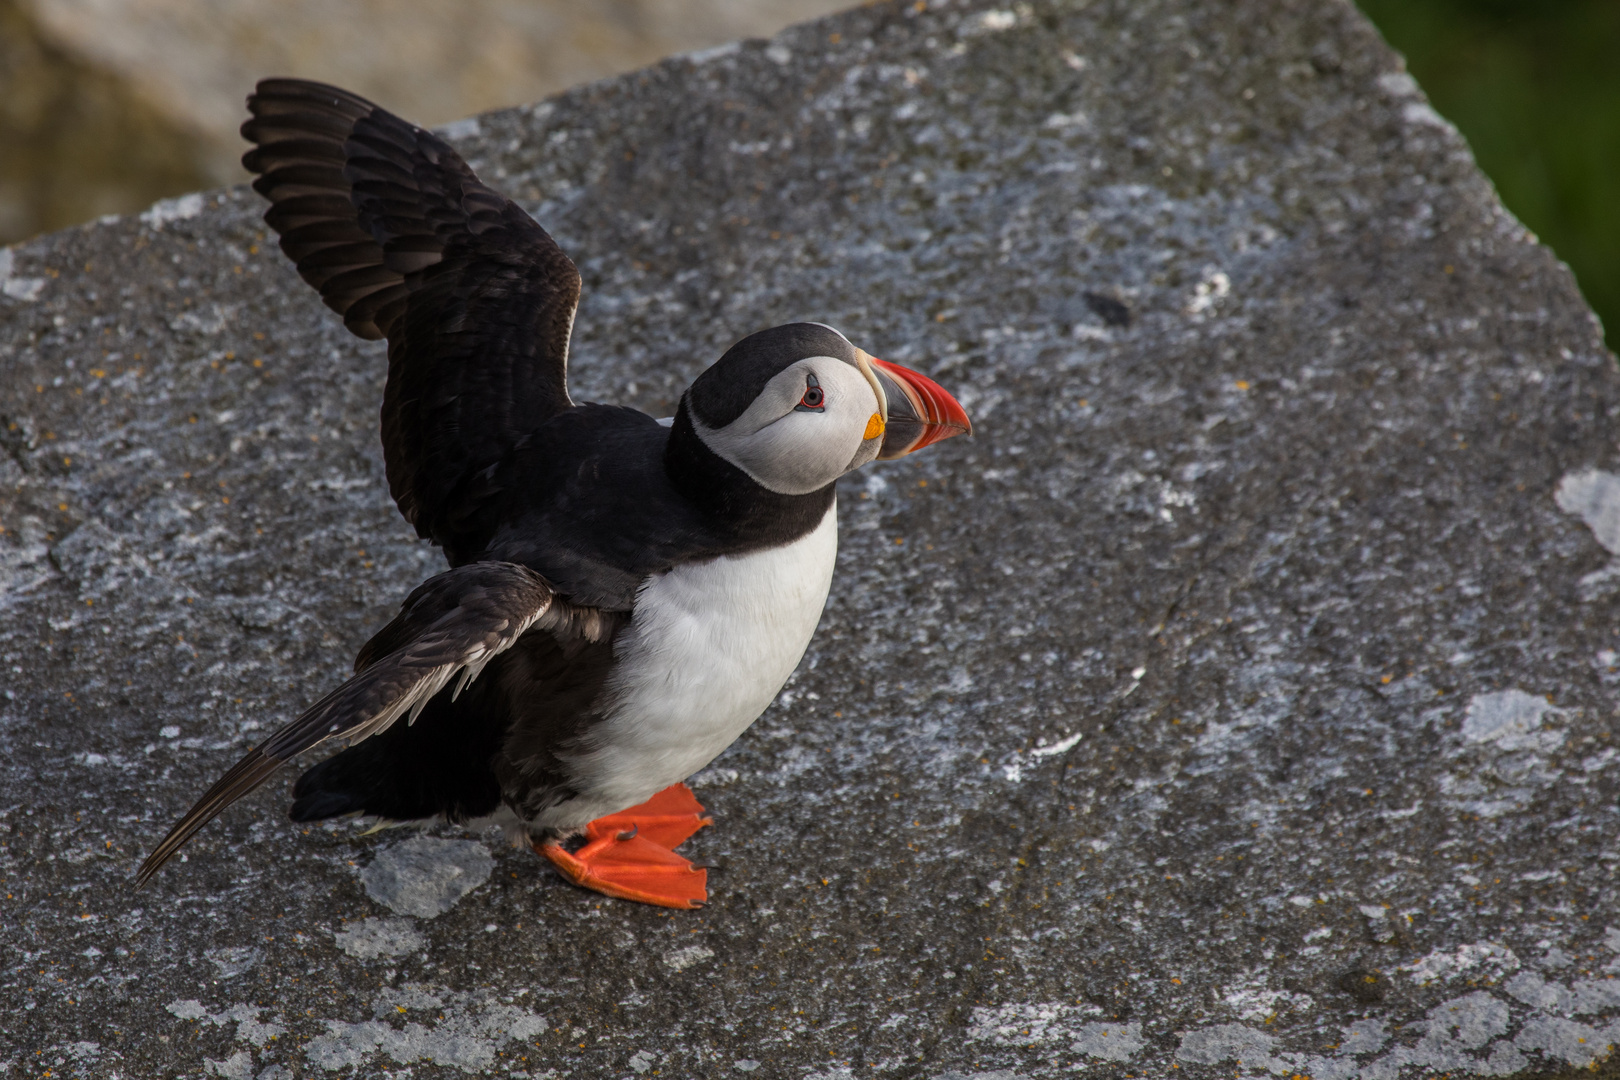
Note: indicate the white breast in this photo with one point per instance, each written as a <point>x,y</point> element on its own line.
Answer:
<point>708,648</point>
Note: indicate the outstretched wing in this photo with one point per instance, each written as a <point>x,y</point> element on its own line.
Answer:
<point>401,239</point>
<point>453,623</point>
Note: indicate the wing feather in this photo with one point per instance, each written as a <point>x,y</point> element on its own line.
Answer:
<point>455,622</point>
<point>401,238</point>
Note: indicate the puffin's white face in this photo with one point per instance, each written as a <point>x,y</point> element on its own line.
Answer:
<point>812,423</point>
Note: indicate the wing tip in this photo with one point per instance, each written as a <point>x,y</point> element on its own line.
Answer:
<point>148,869</point>
<point>247,774</point>
<point>286,88</point>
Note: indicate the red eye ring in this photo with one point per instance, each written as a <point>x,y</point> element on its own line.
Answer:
<point>813,398</point>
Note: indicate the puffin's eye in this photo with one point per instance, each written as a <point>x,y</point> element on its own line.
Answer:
<point>814,400</point>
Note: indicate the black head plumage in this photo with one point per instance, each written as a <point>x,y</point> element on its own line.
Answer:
<point>725,390</point>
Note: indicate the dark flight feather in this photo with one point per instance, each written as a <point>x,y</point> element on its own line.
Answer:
<point>452,624</point>
<point>401,239</point>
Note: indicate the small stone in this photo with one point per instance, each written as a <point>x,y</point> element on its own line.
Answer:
<point>371,938</point>
<point>426,876</point>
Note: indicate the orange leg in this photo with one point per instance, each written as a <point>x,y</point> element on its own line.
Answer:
<point>631,854</point>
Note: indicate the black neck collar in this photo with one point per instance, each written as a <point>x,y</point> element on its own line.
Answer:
<point>754,515</point>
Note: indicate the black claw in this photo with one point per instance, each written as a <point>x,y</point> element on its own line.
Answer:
<point>631,834</point>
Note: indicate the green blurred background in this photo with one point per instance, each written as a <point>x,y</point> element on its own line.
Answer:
<point>1535,87</point>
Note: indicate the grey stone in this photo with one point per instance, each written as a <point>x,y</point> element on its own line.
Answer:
<point>1284,546</point>
<point>371,938</point>
<point>426,875</point>
<point>1594,496</point>
<point>681,959</point>
<point>232,960</point>
<point>1237,1043</point>
<point>239,1066</point>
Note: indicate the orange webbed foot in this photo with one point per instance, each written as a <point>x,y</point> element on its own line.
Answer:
<point>630,854</point>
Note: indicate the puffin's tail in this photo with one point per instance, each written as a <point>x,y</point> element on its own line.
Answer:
<point>436,767</point>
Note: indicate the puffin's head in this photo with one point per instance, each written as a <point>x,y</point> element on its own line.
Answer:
<point>797,406</point>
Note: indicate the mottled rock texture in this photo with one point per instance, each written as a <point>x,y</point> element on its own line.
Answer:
<point>1237,701</point>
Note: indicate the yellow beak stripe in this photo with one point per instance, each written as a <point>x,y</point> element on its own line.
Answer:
<point>874,427</point>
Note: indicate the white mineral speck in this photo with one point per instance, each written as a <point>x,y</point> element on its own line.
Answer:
<point>681,959</point>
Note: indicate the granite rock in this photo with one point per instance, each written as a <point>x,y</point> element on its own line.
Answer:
<point>1237,701</point>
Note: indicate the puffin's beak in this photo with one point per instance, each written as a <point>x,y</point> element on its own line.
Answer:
<point>920,412</point>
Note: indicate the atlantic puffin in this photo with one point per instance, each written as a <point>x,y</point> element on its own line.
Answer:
<point>625,595</point>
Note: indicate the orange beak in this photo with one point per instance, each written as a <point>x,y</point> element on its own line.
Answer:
<point>920,411</point>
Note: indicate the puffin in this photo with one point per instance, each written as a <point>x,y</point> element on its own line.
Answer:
<point>624,595</point>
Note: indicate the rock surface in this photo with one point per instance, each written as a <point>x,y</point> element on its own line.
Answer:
<point>1237,701</point>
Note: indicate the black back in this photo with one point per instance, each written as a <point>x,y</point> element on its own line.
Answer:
<point>602,496</point>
